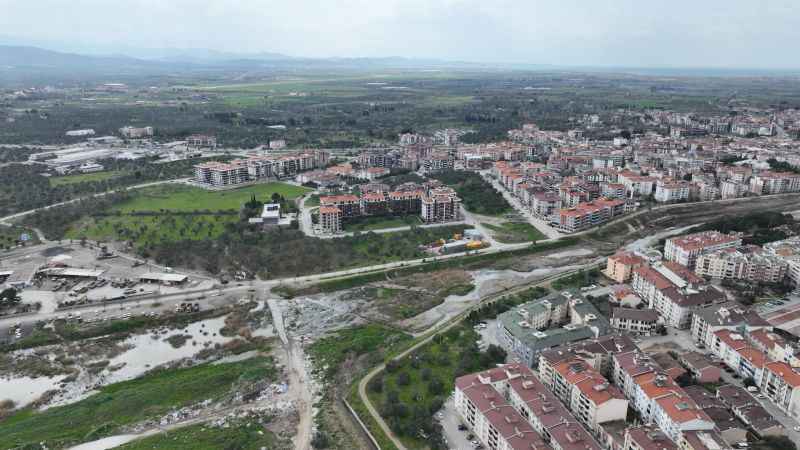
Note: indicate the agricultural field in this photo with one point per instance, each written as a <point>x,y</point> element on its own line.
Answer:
<point>413,389</point>
<point>183,198</point>
<point>170,213</point>
<point>146,230</point>
<point>83,177</point>
<point>117,405</point>
<point>515,232</point>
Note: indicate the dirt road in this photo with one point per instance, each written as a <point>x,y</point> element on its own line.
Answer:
<point>299,388</point>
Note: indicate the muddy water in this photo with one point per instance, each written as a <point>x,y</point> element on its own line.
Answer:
<point>24,390</point>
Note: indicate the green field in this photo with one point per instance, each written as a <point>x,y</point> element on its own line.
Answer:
<point>514,232</point>
<point>380,223</point>
<point>242,436</point>
<point>83,177</point>
<point>120,404</point>
<point>172,197</point>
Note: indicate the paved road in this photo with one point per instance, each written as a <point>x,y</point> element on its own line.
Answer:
<point>536,222</point>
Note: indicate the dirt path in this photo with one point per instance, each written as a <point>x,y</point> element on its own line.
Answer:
<point>298,379</point>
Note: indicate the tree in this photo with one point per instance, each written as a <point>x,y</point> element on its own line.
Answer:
<point>9,297</point>
<point>403,379</point>
<point>775,443</point>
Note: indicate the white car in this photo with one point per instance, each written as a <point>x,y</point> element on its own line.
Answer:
<point>797,428</point>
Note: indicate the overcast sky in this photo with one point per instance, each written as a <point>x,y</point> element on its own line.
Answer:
<point>678,33</point>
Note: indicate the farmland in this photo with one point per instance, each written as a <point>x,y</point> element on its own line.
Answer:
<point>83,178</point>
<point>170,213</point>
<point>179,198</point>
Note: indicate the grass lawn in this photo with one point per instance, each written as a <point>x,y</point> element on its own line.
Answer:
<point>83,177</point>
<point>190,198</point>
<point>580,279</point>
<point>156,229</point>
<point>120,404</point>
<point>514,232</point>
<point>312,200</point>
<point>380,223</point>
<point>245,436</point>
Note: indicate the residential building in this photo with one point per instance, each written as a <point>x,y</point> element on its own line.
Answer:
<point>724,316</point>
<point>647,438</point>
<point>619,267</point>
<point>747,409</point>
<point>702,440</point>
<point>201,141</point>
<point>330,219</point>
<point>524,331</point>
<point>587,393</point>
<point>136,133</point>
<point>590,214</point>
<point>641,322</point>
<point>656,396</point>
<point>731,429</point>
<point>780,382</point>
<point>671,191</point>
<point>220,174</point>
<point>686,249</point>
<point>748,263</point>
<point>440,205</point>
<point>703,370</point>
<point>482,400</point>
<point>767,182</point>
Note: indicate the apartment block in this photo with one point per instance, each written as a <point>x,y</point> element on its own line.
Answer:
<point>686,249</point>
<point>440,205</point>
<point>587,393</point>
<point>656,396</point>
<point>590,214</point>
<point>619,267</point>
<point>780,382</point>
<point>748,262</point>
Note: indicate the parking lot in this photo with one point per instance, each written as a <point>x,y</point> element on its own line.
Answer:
<point>450,420</point>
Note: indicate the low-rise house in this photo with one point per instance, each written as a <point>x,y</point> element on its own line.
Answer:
<point>668,364</point>
<point>643,322</point>
<point>703,370</point>
<point>729,427</point>
<point>749,411</point>
<point>702,440</point>
<point>647,438</point>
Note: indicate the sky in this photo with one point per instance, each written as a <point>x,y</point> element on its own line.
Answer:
<point>630,33</point>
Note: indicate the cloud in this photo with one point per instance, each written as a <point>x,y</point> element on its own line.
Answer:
<point>731,33</point>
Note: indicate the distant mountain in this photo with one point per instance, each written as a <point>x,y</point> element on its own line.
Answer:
<point>24,57</point>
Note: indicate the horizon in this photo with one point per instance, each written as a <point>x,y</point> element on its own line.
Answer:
<point>734,35</point>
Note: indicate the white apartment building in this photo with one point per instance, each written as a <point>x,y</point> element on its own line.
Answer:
<point>749,263</point>
<point>780,382</point>
<point>671,191</point>
<point>685,249</point>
